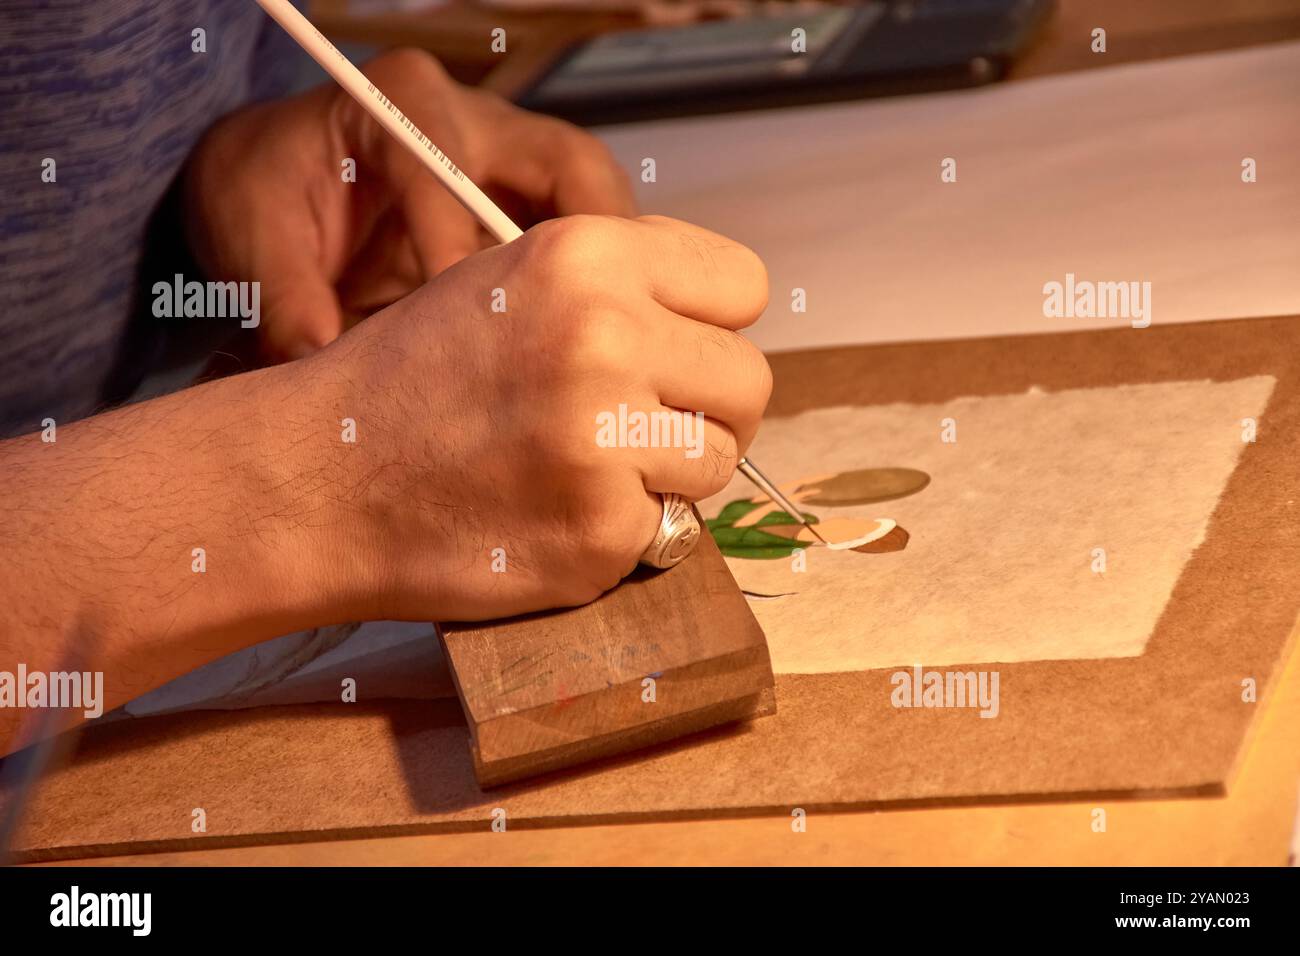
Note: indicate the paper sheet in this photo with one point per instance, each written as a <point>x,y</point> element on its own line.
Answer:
<point>1000,564</point>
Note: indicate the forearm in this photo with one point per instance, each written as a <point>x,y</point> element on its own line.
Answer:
<point>145,542</point>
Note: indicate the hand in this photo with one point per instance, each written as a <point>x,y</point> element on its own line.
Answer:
<point>156,537</point>
<point>266,198</point>
<point>477,430</point>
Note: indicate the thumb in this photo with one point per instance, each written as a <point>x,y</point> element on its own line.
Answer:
<point>441,229</point>
<point>300,312</point>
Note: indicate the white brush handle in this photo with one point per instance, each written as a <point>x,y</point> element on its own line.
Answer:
<point>374,102</point>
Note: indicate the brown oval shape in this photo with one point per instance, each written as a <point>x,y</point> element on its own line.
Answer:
<point>896,540</point>
<point>865,486</point>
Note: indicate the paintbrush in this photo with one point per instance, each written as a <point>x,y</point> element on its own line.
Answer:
<point>760,480</point>
<point>379,106</point>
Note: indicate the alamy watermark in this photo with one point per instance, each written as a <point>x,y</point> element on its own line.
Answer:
<point>920,688</point>
<point>179,299</point>
<point>74,908</point>
<point>663,429</point>
<point>63,690</point>
<point>1085,299</point>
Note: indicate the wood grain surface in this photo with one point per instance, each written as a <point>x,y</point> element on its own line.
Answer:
<point>664,654</point>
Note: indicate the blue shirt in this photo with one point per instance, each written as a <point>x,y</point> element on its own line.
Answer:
<point>114,93</point>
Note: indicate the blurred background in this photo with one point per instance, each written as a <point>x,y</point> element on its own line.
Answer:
<point>1035,38</point>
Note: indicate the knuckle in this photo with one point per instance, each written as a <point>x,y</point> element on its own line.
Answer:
<point>719,463</point>
<point>572,448</point>
<point>568,247</point>
<point>761,369</point>
<point>604,341</point>
<point>593,345</point>
<point>700,250</point>
<point>587,150</point>
<point>612,544</point>
<point>654,219</point>
<point>732,350</point>
<point>409,61</point>
<point>747,362</point>
<point>754,274</point>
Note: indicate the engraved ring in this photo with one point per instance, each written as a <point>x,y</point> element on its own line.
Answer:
<point>677,536</point>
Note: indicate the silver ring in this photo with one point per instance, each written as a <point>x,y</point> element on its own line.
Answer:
<point>678,534</point>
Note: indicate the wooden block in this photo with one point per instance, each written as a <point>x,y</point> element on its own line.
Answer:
<point>547,691</point>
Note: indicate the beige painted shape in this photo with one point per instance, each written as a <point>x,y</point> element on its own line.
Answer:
<point>999,564</point>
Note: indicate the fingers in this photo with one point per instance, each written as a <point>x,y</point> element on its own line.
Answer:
<point>649,511</point>
<point>442,230</point>
<point>556,166</point>
<point>712,370</point>
<point>540,163</point>
<point>686,269</point>
<point>616,335</point>
<point>384,270</point>
<point>700,274</point>
<point>699,466</point>
<point>587,179</point>
<point>686,453</point>
<point>683,342</point>
<point>538,168</point>
<point>300,310</point>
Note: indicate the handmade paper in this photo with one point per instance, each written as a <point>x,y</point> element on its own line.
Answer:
<point>1054,526</point>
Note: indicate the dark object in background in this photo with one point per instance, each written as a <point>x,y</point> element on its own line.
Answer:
<point>852,52</point>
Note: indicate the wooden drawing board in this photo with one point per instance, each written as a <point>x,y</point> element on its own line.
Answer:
<point>1171,721</point>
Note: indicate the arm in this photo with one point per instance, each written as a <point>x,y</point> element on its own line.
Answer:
<point>476,432</point>
<point>99,528</point>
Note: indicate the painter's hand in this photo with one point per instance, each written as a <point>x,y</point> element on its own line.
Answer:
<point>336,219</point>
<point>482,481</point>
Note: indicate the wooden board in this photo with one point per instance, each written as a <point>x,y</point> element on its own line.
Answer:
<point>1170,722</point>
<point>1252,826</point>
<point>664,654</point>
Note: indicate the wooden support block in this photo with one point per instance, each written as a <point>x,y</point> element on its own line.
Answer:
<point>547,691</point>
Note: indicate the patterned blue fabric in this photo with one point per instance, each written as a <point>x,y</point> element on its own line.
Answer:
<point>114,93</point>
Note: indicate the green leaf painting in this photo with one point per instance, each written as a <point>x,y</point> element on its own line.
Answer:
<point>753,542</point>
